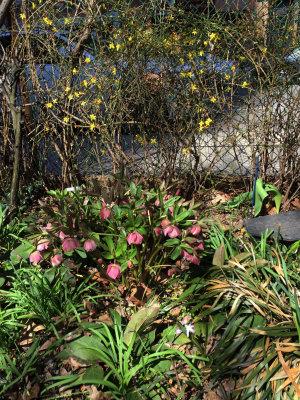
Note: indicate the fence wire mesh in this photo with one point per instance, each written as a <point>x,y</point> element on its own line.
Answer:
<point>160,87</point>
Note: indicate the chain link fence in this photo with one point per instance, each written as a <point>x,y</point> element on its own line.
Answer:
<point>164,87</point>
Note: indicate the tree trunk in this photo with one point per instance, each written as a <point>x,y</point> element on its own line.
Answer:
<point>16,120</point>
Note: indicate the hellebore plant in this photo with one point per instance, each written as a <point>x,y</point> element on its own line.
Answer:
<point>135,232</point>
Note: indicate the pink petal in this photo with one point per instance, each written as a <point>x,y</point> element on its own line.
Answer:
<point>113,271</point>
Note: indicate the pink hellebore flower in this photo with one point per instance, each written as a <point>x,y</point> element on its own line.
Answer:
<point>90,245</point>
<point>134,237</point>
<point>69,244</point>
<point>172,231</point>
<point>157,231</point>
<point>129,264</point>
<point>196,229</point>
<point>49,226</point>
<point>190,257</point>
<point>201,246</point>
<point>43,244</point>
<point>165,222</point>
<point>61,235</point>
<point>113,271</point>
<point>35,257</point>
<point>104,212</point>
<point>56,260</point>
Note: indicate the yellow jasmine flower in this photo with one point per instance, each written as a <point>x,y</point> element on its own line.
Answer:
<point>92,117</point>
<point>85,83</point>
<point>205,43</point>
<point>23,16</point>
<point>87,60</point>
<point>70,97</point>
<point>98,101</point>
<point>66,119</point>
<point>83,103</point>
<point>189,74</point>
<point>76,94</point>
<point>103,152</point>
<point>193,87</point>
<point>47,21</point>
<point>93,80</point>
<point>28,26</point>
<point>49,105</point>
<point>185,150</point>
<point>114,71</point>
<point>55,101</point>
<point>183,74</point>
<point>232,68</point>
<point>227,77</point>
<point>190,55</point>
<point>194,32</point>
<point>201,71</point>
<point>47,128</point>
<point>244,84</point>
<point>130,38</point>
<point>75,71</point>
<point>181,60</point>
<point>213,99</point>
<point>201,126</point>
<point>208,121</point>
<point>67,89</point>
<point>227,89</point>
<point>242,58</point>
<point>68,21</point>
<point>111,46</point>
<point>212,36</point>
<point>118,46</point>
<point>201,53</point>
<point>33,6</point>
<point>92,126</point>
<point>153,141</point>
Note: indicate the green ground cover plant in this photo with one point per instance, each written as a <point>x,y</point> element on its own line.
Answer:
<point>225,322</point>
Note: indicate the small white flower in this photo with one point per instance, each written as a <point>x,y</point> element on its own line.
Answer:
<point>189,329</point>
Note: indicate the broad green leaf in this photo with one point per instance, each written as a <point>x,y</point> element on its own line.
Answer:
<point>260,195</point>
<point>2,281</point>
<point>133,188</point>
<point>24,250</point>
<point>170,202</point>
<point>140,320</point>
<point>238,200</point>
<point>50,274</point>
<point>110,244</point>
<point>277,196</point>
<point>219,256</point>
<point>183,215</point>
<point>176,253</point>
<point>83,348</point>
<point>172,242</point>
<point>81,252</point>
<point>92,374</point>
<point>163,366</point>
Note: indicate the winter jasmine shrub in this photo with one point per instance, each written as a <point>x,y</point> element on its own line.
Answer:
<point>136,233</point>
